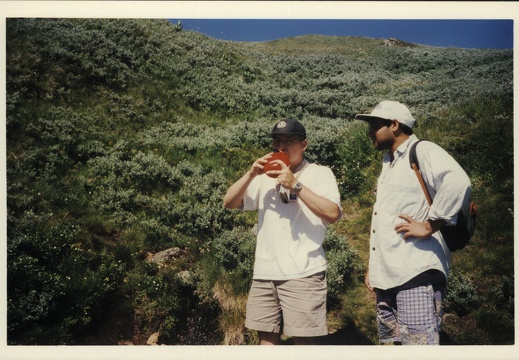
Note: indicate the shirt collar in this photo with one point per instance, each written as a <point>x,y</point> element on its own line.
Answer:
<point>301,166</point>
<point>403,147</point>
<point>400,150</point>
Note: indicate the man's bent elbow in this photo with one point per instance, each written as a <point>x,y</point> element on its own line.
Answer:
<point>229,204</point>
<point>226,204</point>
<point>334,216</point>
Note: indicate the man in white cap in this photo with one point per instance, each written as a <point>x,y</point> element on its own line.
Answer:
<point>295,205</point>
<point>409,260</point>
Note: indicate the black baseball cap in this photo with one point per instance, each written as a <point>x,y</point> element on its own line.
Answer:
<point>289,127</point>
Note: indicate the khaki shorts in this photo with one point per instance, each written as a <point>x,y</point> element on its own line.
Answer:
<point>297,306</point>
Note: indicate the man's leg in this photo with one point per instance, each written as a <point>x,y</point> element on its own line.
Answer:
<point>314,340</point>
<point>303,303</point>
<point>263,312</point>
<point>387,324</point>
<point>419,315</point>
<point>268,338</point>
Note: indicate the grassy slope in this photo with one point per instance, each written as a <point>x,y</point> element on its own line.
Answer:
<point>216,87</point>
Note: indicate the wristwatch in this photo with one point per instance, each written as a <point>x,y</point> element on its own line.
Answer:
<point>297,188</point>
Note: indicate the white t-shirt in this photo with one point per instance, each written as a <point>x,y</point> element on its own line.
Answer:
<point>290,236</point>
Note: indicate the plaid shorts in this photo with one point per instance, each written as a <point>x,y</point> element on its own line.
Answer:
<point>412,316</point>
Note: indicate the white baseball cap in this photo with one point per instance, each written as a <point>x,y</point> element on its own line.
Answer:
<point>390,110</point>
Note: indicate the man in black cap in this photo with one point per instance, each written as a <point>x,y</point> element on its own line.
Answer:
<point>295,205</point>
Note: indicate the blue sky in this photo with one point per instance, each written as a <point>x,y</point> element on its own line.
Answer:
<point>493,34</point>
<point>465,24</point>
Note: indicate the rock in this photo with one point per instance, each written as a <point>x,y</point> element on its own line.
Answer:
<point>125,342</point>
<point>167,255</point>
<point>148,256</point>
<point>396,42</point>
<point>185,276</point>
<point>153,339</point>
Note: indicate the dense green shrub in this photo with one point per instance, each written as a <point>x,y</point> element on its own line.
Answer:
<point>129,186</point>
<point>57,282</point>
<point>461,295</point>
<point>355,166</point>
<point>498,325</point>
<point>229,258</point>
<point>163,301</point>
<point>343,266</point>
<point>505,298</point>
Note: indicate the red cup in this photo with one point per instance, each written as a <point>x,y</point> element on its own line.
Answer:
<point>271,165</point>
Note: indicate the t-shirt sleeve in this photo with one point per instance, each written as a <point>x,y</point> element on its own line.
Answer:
<point>326,186</point>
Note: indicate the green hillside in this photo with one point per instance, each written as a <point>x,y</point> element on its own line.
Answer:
<point>123,136</point>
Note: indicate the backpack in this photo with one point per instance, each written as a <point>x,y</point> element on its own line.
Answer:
<point>456,237</point>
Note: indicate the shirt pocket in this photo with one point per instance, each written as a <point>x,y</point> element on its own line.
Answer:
<point>402,198</point>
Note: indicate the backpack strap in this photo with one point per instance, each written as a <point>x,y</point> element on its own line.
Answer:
<point>413,161</point>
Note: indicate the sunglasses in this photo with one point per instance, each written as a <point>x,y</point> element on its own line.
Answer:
<point>376,125</point>
<point>278,143</point>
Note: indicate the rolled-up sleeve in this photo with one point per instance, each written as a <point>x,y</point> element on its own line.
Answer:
<point>448,183</point>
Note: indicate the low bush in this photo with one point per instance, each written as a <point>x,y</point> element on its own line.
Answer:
<point>66,282</point>
<point>344,267</point>
<point>461,296</point>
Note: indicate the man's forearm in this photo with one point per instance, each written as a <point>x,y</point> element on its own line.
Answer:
<point>234,196</point>
<point>324,208</point>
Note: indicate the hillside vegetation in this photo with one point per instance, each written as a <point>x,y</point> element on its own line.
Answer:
<point>123,136</point>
